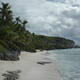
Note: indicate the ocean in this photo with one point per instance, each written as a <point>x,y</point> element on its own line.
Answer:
<point>68,61</point>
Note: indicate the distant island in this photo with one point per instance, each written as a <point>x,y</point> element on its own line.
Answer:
<point>14,37</point>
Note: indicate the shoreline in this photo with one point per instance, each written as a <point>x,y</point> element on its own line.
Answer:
<point>30,69</point>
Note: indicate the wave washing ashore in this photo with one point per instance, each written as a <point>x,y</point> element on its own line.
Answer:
<point>32,66</point>
<point>68,61</point>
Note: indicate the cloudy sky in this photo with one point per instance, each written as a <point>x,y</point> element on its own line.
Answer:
<point>50,17</point>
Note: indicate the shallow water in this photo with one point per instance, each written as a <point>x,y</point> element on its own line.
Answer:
<point>68,61</point>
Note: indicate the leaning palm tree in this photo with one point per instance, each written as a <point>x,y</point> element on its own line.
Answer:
<point>6,13</point>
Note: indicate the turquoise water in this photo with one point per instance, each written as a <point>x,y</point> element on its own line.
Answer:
<point>68,61</point>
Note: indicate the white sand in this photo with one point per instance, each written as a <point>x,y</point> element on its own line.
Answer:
<point>30,69</point>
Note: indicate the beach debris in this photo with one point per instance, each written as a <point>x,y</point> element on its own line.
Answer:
<point>11,75</point>
<point>43,62</point>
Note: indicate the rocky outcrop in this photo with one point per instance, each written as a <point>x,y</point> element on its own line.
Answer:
<point>11,75</point>
<point>10,56</point>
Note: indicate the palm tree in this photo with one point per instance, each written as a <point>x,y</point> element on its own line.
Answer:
<point>18,20</point>
<point>33,34</point>
<point>24,23</point>
<point>6,13</point>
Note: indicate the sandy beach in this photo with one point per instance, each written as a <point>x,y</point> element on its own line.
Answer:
<point>30,69</point>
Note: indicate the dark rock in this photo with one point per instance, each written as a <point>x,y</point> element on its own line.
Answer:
<point>11,75</point>
<point>43,62</point>
<point>10,56</point>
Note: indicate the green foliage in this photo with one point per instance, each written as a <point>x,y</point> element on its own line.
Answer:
<point>5,14</point>
<point>2,48</point>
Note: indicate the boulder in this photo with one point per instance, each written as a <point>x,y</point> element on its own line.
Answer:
<point>10,56</point>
